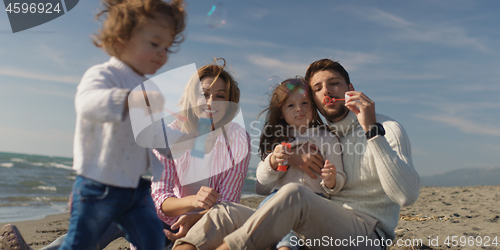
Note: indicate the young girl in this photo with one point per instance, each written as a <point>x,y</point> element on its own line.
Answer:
<point>226,157</point>
<point>292,118</point>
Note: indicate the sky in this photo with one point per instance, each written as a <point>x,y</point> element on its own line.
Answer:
<point>430,65</point>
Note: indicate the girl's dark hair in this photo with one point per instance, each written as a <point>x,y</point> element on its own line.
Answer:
<point>326,64</point>
<point>275,128</point>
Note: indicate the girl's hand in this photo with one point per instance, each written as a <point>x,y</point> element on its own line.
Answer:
<point>328,174</point>
<point>205,198</point>
<point>279,156</point>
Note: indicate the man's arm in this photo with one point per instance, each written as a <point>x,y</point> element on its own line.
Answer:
<point>391,152</point>
<point>392,156</point>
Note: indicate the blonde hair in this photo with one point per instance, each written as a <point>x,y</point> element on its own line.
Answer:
<point>122,16</point>
<point>190,97</point>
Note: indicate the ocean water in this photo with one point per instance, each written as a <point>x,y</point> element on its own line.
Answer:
<point>34,186</point>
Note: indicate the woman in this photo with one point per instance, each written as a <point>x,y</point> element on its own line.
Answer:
<point>193,185</point>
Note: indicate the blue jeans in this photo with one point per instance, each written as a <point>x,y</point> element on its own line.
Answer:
<point>285,241</point>
<point>96,206</point>
<point>111,234</point>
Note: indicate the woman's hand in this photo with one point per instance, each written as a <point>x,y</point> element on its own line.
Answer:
<point>205,198</point>
<point>184,223</point>
<point>328,174</point>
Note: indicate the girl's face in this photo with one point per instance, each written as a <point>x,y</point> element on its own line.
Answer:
<point>213,99</point>
<point>297,111</point>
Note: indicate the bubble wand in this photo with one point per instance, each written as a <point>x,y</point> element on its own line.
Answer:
<point>282,166</point>
<point>328,100</point>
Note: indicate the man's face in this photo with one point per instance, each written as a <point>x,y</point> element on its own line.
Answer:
<point>330,83</point>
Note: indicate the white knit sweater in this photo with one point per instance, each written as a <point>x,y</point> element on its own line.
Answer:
<point>104,146</point>
<point>382,178</point>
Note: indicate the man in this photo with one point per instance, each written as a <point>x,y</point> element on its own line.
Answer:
<point>380,179</point>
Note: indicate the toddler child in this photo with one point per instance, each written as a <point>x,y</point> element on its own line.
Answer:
<point>138,35</point>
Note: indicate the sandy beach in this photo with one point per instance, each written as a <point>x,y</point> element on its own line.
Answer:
<point>468,216</point>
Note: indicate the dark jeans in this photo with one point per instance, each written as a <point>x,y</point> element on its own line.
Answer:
<point>96,206</point>
<point>111,234</point>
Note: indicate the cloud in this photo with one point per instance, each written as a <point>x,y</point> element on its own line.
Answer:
<point>464,125</point>
<point>470,117</point>
<point>387,19</point>
<point>256,14</point>
<point>234,42</point>
<point>426,31</point>
<point>10,71</point>
<point>393,99</point>
<point>277,67</point>
<point>51,92</point>
<point>55,55</point>
<point>353,60</point>
<point>450,36</point>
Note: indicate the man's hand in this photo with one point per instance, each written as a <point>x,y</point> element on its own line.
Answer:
<point>205,198</point>
<point>184,223</point>
<point>310,162</point>
<point>363,108</point>
<point>328,174</point>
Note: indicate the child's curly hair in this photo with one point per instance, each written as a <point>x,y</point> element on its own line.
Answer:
<point>122,16</point>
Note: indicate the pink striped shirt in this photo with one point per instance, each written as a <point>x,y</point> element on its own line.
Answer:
<point>228,183</point>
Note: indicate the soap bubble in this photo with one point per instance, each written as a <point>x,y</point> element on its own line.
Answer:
<point>274,80</point>
<point>216,17</point>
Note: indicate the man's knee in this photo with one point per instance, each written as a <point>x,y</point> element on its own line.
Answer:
<point>230,212</point>
<point>184,247</point>
<point>292,189</point>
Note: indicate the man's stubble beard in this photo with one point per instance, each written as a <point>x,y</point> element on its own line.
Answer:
<point>336,115</point>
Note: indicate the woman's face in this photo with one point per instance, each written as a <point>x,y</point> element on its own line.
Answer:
<point>213,99</point>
